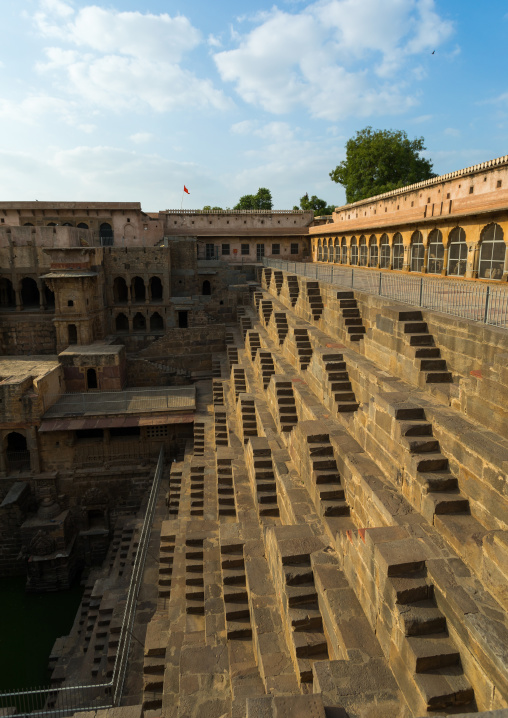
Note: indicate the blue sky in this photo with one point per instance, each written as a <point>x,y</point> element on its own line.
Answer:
<point>122,102</point>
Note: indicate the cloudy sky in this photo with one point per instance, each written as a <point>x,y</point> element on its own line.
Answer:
<point>120,101</point>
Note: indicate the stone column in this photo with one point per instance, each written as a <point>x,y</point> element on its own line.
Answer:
<point>42,297</point>
<point>504,278</point>
<point>444,271</point>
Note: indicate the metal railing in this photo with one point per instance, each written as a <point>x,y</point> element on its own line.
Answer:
<point>474,301</point>
<point>54,701</point>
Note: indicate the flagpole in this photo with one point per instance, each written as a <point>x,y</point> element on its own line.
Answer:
<point>181,204</point>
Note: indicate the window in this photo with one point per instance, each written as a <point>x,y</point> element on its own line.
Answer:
<point>183,319</point>
<point>275,248</point>
<point>319,250</point>
<point>373,251</point>
<point>337,250</point>
<point>398,251</point>
<point>225,249</point>
<point>91,378</point>
<point>457,253</point>
<point>245,249</point>
<point>344,251</point>
<point>384,243</point>
<point>294,247</point>
<point>492,252</point>
<point>363,251</point>
<point>72,334</point>
<point>70,303</point>
<point>354,252</point>
<point>417,252</point>
<point>156,432</point>
<point>436,252</point>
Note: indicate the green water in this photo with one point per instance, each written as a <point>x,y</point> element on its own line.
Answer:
<point>29,625</point>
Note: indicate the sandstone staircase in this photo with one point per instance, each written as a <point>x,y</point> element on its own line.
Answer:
<point>232,354</point>
<point>197,488</point>
<point>283,400</point>
<point>218,392</point>
<point>281,325</point>
<point>337,379</point>
<point>293,288</point>
<point>314,299</point>
<point>252,343</point>
<point>247,412</point>
<point>194,569</point>
<point>238,625</point>
<point>175,487</point>
<point>225,488</point>
<point>266,309</point>
<point>278,277</point>
<point>351,315</point>
<point>221,427</point>
<point>245,325</point>
<point>166,556</point>
<point>422,344</point>
<point>265,366</point>
<point>303,347</point>
<point>238,380</point>
<point>199,438</point>
<point>260,466</point>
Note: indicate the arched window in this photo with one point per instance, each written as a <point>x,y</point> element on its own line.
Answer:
<point>319,250</point>
<point>121,323</point>
<point>66,224</point>
<point>206,289</point>
<point>343,244</point>
<point>72,334</point>
<point>106,234</point>
<point>337,250</point>
<point>353,252</point>
<point>325,250</point>
<point>7,298</point>
<point>120,293</point>
<point>51,224</point>
<point>30,296</point>
<point>16,452</point>
<point>457,252</point>
<point>436,252</point>
<point>330,249</point>
<point>28,224</point>
<point>362,258</point>
<point>492,252</point>
<point>155,288</point>
<point>384,246</point>
<point>417,252</point>
<point>156,322</point>
<point>139,323</point>
<point>398,251</point>
<point>49,297</point>
<point>91,379</point>
<point>373,251</point>
<point>138,291</point>
<point>82,225</point>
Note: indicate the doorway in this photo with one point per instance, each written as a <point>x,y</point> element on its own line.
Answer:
<point>183,320</point>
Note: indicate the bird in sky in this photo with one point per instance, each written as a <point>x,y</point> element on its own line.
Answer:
<point>433,52</point>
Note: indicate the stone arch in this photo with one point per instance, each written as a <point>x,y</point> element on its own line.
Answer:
<point>16,452</point>
<point>353,252</point>
<point>82,225</point>
<point>492,252</point>
<point>457,252</point>
<point>373,251</point>
<point>319,250</point>
<point>417,252</point>
<point>156,322</point>
<point>139,322</point>
<point>325,250</point>
<point>206,289</point>
<point>106,234</point>
<point>156,289</point>
<point>138,289</point>
<point>120,291</point>
<point>384,252</point>
<point>362,255</point>
<point>28,224</point>
<point>436,252</point>
<point>121,323</point>
<point>49,297</point>
<point>30,295</point>
<point>7,296</point>
<point>398,251</point>
<point>67,224</point>
<point>129,231</point>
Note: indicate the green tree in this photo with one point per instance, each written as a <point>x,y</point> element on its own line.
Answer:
<point>261,200</point>
<point>378,161</point>
<point>319,206</point>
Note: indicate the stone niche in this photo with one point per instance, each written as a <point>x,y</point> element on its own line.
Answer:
<point>92,367</point>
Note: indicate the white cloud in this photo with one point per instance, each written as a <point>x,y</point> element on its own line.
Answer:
<point>34,109</point>
<point>141,137</point>
<point>272,131</point>
<point>124,60</point>
<point>452,132</point>
<point>334,57</point>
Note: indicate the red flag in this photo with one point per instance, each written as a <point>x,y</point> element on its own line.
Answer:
<point>185,189</point>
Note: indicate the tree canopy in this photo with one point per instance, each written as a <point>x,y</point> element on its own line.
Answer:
<point>378,161</point>
<point>261,200</point>
<point>316,204</point>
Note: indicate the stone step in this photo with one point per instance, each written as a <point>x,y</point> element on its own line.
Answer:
<point>338,376</point>
<point>309,643</point>
<point>320,464</point>
<point>352,321</point>
<point>416,428</point>
<point>348,304</point>
<point>335,508</point>
<point>344,396</point>
<point>438,481</point>
<point>450,690</point>
<point>421,340</point>
<point>301,594</point>
<point>410,413</point>
<point>326,477</point>
<point>423,654</point>
<point>298,575</point>
<point>356,330</point>
<point>430,462</point>
<point>411,587</point>
<point>433,365</point>
<point>341,386</point>
<point>234,595</point>
<point>410,315</point>
<point>439,378</point>
<point>412,327</point>
<point>272,511</point>
<point>306,619</point>
<point>238,630</point>
<point>350,313</point>
<point>326,494</point>
<point>320,449</point>
<point>421,445</point>
<point>355,337</point>
<point>445,502</point>
<point>345,295</point>
<point>428,352</point>
<point>237,613</point>
<point>421,618</point>
<point>344,406</point>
